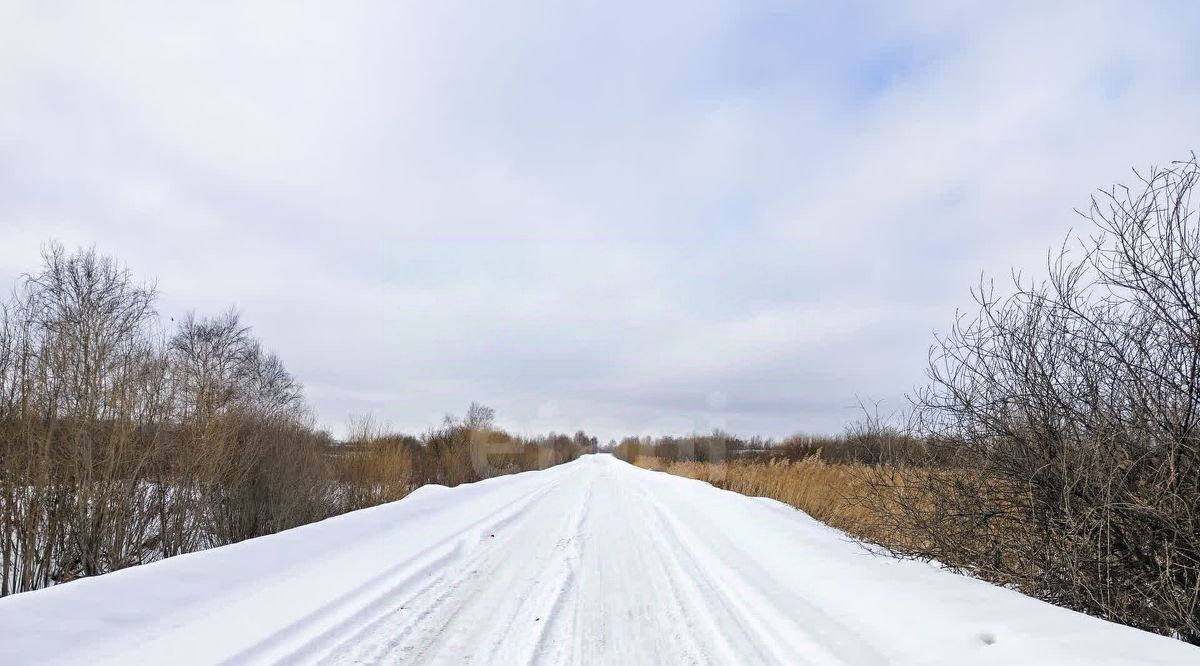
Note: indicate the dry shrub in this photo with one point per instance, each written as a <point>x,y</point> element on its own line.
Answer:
<point>373,465</point>
<point>534,457</point>
<point>265,477</point>
<point>122,443</point>
<point>1057,447</point>
<point>1063,422</point>
<point>447,455</point>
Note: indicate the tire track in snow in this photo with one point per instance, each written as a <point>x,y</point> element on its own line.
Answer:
<point>516,639</point>
<point>513,587</point>
<point>793,632</point>
<point>637,613</point>
<point>377,596</point>
<point>484,606</point>
<point>567,596</point>
<point>695,596</point>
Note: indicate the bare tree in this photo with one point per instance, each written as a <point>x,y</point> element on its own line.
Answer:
<point>122,443</point>
<point>1063,422</point>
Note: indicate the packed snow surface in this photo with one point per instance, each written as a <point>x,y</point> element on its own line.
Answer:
<point>592,562</point>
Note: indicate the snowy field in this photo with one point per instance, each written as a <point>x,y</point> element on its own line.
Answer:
<point>592,562</point>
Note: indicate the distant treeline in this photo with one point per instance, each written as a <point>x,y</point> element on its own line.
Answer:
<point>124,440</point>
<point>857,445</point>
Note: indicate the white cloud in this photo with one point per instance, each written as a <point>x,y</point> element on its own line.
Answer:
<point>614,209</point>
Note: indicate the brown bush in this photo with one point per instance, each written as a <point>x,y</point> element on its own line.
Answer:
<point>373,466</point>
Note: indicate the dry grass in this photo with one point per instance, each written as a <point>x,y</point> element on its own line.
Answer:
<point>832,493</point>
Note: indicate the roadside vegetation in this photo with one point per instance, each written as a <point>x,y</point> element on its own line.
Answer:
<point>1056,447</point>
<point>124,439</point>
<point>831,478</point>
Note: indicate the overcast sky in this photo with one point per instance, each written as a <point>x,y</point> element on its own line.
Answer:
<point>625,217</point>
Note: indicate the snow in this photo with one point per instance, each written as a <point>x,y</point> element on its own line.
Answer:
<point>595,561</point>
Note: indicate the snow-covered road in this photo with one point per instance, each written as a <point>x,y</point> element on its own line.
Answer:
<point>592,562</point>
